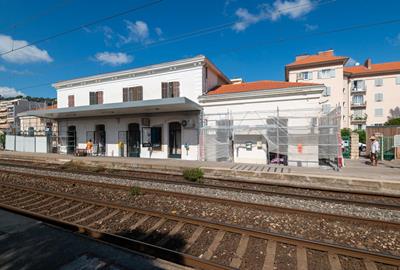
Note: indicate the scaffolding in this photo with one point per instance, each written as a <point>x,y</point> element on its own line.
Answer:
<point>307,137</point>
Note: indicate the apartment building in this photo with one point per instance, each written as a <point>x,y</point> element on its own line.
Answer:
<point>9,110</point>
<point>365,93</point>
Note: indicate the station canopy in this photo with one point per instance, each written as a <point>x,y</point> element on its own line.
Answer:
<point>118,109</point>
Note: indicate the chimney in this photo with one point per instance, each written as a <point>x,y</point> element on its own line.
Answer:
<point>326,53</point>
<point>368,63</point>
<point>301,56</point>
<point>236,80</point>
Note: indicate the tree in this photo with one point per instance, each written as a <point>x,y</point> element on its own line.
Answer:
<point>361,135</point>
<point>394,113</point>
<point>345,132</point>
<point>393,122</point>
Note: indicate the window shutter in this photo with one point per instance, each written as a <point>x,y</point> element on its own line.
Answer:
<point>320,74</point>
<point>125,94</point>
<point>310,74</point>
<point>328,91</point>
<point>175,89</point>
<point>92,98</point>
<point>140,93</point>
<point>164,90</point>
<point>300,76</point>
<point>99,97</point>
<point>398,80</point>
<point>378,82</point>
<point>71,101</point>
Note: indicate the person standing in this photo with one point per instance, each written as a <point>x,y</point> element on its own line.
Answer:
<point>374,151</point>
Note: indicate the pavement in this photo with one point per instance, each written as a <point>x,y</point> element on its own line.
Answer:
<point>357,175</point>
<point>29,244</point>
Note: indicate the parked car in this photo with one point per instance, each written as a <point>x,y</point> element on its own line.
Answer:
<point>362,147</point>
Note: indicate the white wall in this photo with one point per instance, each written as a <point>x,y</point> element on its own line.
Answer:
<point>114,125</point>
<point>190,87</point>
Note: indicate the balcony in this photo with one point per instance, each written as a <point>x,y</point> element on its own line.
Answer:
<point>358,104</point>
<point>358,90</point>
<point>359,119</point>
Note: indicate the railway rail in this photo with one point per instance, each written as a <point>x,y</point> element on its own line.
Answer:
<point>364,199</point>
<point>336,216</point>
<point>192,242</point>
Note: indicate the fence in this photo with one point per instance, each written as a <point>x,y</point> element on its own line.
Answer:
<point>289,137</point>
<point>27,144</point>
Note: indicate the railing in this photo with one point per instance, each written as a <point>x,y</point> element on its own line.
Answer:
<point>359,118</point>
<point>356,90</point>
<point>359,104</point>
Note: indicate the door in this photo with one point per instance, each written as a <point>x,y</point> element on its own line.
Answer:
<point>99,146</point>
<point>175,140</point>
<point>133,140</point>
<point>71,139</point>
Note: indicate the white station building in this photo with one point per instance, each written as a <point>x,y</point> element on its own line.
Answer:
<point>188,109</point>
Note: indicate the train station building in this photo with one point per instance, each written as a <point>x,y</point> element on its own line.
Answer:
<point>188,109</point>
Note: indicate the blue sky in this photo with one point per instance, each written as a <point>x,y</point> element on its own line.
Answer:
<point>247,48</point>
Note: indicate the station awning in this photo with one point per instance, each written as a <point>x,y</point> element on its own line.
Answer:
<point>117,109</point>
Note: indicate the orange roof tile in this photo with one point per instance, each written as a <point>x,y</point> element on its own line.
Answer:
<point>318,58</point>
<point>375,68</point>
<point>255,86</point>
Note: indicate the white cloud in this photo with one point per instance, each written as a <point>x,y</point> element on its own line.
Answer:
<point>290,8</point>
<point>394,41</point>
<point>10,92</point>
<point>113,59</point>
<point>138,33</point>
<point>310,27</point>
<point>26,55</point>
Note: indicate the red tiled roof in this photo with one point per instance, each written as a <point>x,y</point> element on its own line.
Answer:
<point>255,86</point>
<point>375,68</point>
<point>314,59</point>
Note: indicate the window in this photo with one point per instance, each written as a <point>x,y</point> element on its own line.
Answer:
<point>379,112</point>
<point>71,101</point>
<point>378,97</point>
<point>169,89</point>
<point>326,108</point>
<point>156,134</point>
<point>326,74</point>
<point>358,99</point>
<point>398,80</point>
<point>379,82</point>
<point>327,91</point>
<point>96,98</point>
<point>307,75</point>
<point>132,93</point>
<point>358,85</point>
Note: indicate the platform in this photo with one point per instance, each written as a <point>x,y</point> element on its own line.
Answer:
<point>356,176</point>
<point>29,244</point>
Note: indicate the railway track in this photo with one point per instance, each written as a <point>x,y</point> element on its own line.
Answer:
<point>196,197</point>
<point>355,198</point>
<point>188,241</point>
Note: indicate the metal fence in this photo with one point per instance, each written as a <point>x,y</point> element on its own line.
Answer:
<point>288,137</point>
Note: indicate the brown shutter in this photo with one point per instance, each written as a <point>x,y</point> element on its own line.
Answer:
<point>71,101</point>
<point>99,97</point>
<point>92,98</point>
<point>164,90</point>
<point>140,93</point>
<point>175,89</point>
<point>125,94</point>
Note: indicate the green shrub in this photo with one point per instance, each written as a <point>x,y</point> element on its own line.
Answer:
<point>135,191</point>
<point>193,174</point>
